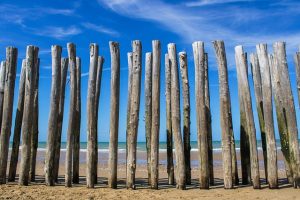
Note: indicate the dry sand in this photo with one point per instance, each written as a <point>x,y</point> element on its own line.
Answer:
<point>38,190</point>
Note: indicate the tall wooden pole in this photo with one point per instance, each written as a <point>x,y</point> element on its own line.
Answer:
<point>208,116</point>
<point>297,69</point>
<point>175,112</point>
<point>72,114</point>
<point>53,115</point>
<point>63,78</point>
<point>241,65</point>
<point>2,85</point>
<point>35,122</point>
<point>91,122</point>
<point>186,114</point>
<point>268,114</point>
<point>170,163</point>
<point>11,65</point>
<point>155,122</point>
<point>256,76</point>
<point>31,55</point>
<point>129,58</point>
<point>76,146</point>
<point>288,102</point>
<point>18,124</point>
<point>148,110</point>
<point>134,112</point>
<point>114,114</point>
<point>224,113</point>
<point>199,60</point>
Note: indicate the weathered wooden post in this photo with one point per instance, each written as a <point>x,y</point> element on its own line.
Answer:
<point>175,112</point>
<point>208,116</point>
<point>186,114</point>
<point>268,114</point>
<point>297,69</point>
<point>53,115</point>
<point>256,76</point>
<point>134,112</point>
<point>91,113</point>
<point>76,146</point>
<point>288,102</point>
<point>114,114</point>
<point>72,114</point>
<point>31,55</point>
<point>155,122</point>
<point>18,124</point>
<point>129,58</point>
<point>63,78</point>
<point>224,113</point>
<point>148,110</point>
<point>241,66</point>
<point>2,85</point>
<point>202,128</point>
<point>11,65</point>
<point>170,163</point>
<point>97,97</point>
<point>35,122</point>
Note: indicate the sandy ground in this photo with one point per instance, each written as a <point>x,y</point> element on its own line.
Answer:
<point>38,190</point>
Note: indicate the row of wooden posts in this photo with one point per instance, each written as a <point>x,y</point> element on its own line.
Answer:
<point>271,80</point>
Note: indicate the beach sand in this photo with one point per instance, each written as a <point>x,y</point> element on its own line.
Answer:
<point>38,190</point>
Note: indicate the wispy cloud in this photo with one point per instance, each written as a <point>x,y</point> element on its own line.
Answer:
<point>100,29</point>
<point>57,32</point>
<point>212,2</point>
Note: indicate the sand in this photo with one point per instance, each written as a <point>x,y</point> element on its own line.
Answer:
<point>38,190</point>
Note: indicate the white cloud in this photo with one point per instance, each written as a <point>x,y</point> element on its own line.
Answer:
<point>56,31</point>
<point>100,29</point>
<point>212,2</point>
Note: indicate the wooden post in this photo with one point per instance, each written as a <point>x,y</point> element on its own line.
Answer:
<point>2,85</point>
<point>91,113</point>
<point>134,112</point>
<point>148,110</point>
<point>155,122</point>
<point>35,122</point>
<point>242,74</point>
<point>114,114</point>
<point>297,69</point>
<point>63,77</point>
<point>186,115</point>
<point>224,113</point>
<point>18,124</point>
<point>72,114</point>
<point>76,146</point>
<point>256,76</point>
<point>11,65</point>
<point>170,163</point>
<point>31,55</point>
<point>268,114</point>
<point>53,115</point>
<point>208,116</point>
<point>288,102</point>
<point>129,58</point>
<point>175,112</point>
<point>199,60</point>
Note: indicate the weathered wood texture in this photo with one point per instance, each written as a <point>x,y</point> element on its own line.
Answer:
<point>202,128</point>
<point>63,78</point>
<point>289,106</point>
<point>148,110</point>
<point>2,85</point>
<point>91,122</point>
<point>186,114</point>
<point>114,114</point>
<point>208,116</point>
<point>134,113</point>
<point>31,58</point>
<point>224,113</point>
<point>18,125</point>
<point>129,58</point>
<point>72,114</point>
<point>242,74</point>
<point>155,122</point>
<point>256,76</point>
<point>76,146</point>
<point>175,113</point>
<point>268,114</point>
<point>35,122</point>
<point>170,162</point>
<point>297,69</point>
<point>53,115</point>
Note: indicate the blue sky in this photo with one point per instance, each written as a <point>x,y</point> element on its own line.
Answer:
<point>237,22</point>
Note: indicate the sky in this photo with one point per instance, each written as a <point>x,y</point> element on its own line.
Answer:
<point>237,22</point>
